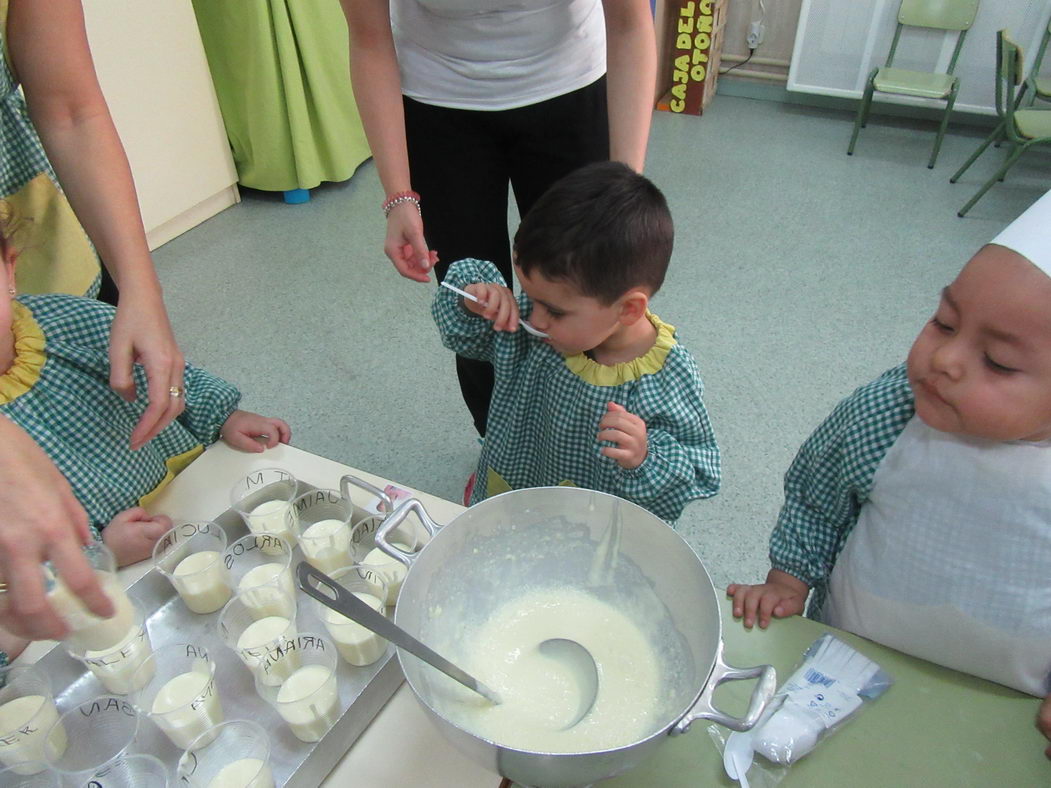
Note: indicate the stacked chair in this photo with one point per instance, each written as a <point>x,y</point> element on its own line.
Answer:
<point>1020,127</point>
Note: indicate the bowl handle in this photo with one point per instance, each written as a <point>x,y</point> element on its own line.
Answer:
<point>704,709</point>
<point>396,518</point>
<point>346,482</point>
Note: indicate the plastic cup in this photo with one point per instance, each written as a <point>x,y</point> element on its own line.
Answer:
<point>324,529</point>
<point>262,564</point>
<point>308,699</point>
<point>87,630</point>
<point>181,697</point>
<point>251,636</point>
<point>30,774</point>
<point>131,771</point>
<point>264,498</point>
<point>236,754</point>
<point>368,554</point>
<point>356,644</point>
<point>27,717</point>
<point>98,731</point>
<point>191,557</point>
<point>115,667</point>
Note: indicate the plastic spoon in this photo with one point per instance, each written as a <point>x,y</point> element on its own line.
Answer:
<point>469,297</point>
<point>581,665</point>
<point>737,757</point>
<point>331,594</point>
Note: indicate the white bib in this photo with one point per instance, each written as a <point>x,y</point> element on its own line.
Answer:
<point>951,557</point>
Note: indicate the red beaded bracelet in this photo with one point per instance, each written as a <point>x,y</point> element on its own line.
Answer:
<point>399,198</point>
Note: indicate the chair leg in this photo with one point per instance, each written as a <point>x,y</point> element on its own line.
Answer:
<point>997,132</point>
<point>943,126</point>
<point>1011,159</point>
<point>863,113</point>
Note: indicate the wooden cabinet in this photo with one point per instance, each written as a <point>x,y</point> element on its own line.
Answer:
<point>153,72</point>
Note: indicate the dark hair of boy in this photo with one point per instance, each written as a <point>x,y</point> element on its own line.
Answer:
<point>603,228</point>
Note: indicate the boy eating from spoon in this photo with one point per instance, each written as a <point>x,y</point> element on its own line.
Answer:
<point>919,512</point>
<point>611,400</point>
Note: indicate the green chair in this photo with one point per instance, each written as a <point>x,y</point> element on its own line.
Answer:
<point>1039,87</point>
<point>1020,128</point>
<point>947,15</point>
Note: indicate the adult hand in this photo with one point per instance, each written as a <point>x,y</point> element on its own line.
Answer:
<point>42,521</point>
<point>406,246</point>
<point>779,597</point>
<point>141,333</point>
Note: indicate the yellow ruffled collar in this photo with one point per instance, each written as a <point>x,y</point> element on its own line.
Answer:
<point>29,355</point>
<point>649,363</point>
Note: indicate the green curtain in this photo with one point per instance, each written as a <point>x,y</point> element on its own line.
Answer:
<point>281,70</point>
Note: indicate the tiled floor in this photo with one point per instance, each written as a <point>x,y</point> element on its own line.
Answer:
<point>799,273</point>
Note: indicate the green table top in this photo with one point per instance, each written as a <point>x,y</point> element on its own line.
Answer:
<point>935,727</point>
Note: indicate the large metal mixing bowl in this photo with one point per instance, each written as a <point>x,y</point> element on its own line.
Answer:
<point>557,536</point>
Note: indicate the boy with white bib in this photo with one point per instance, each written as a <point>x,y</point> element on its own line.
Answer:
<point>919,512</point>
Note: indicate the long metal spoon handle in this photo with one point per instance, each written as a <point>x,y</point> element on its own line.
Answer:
<point>312,581</point>
<point>525,324</point>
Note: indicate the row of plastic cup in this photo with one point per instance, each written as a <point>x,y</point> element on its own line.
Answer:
<point>94,744</point>
<point>175,685</point>
<point>206,571</point>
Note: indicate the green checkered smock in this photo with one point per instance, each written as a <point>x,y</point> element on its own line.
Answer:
<point>830,479</point>
<point>545,410</point>
<point>58,392</point>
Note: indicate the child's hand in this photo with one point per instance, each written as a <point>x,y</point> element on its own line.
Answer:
<point>496,303</point>
<point>132,534</point>
<point>780,596</point>
<point>251,432</point>
<point>1043,721</point>
<point>628,432</point>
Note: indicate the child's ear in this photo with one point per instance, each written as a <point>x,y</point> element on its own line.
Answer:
<point>633,306</point>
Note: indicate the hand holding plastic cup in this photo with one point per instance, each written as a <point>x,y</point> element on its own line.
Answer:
<point>87,630</point>
<point>308,699</point>
<point>264,498</point>
<point>324,529</point>
<point>114,667</point>
<point>252,636</point>
<point>190,555</point>
<point>356,644</point>
<point>181,697</point>
<point>236,753</point>
<point>98,731</point>
<point>28,717</point>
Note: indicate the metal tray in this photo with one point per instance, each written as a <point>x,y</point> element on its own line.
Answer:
<point>363,690</point>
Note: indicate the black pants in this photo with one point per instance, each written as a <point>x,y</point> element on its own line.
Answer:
<point>462,162</point>
<point>108,289</point>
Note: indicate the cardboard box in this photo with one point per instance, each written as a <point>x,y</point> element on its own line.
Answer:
<point>694,45</point>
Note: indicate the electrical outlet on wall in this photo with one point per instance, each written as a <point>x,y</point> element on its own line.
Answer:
<point>755,35</point>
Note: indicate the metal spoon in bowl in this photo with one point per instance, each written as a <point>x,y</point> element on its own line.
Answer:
<point>534,331</point>
<point>331,594</point>
<point>581,665</point>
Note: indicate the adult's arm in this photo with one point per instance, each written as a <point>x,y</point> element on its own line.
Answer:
<point>376,80</point>
<point>49,50</point>
<point>631,78</point>
<point>41,521</point>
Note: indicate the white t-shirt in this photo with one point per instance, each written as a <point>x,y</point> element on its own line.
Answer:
<point>497,54</point>
<point>950,559</point>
